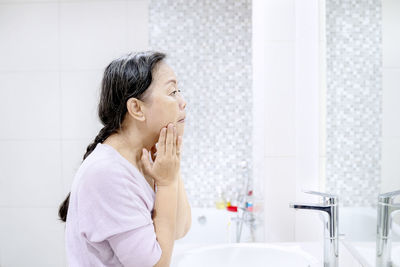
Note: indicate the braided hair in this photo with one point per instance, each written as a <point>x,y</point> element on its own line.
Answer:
<point>125,77</point>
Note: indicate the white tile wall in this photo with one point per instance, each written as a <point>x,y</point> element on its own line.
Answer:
<point>138,30</point>
<point>92,33</point>
<point>289,62</point>
<point>52,55</point>
<point>391,94</point>
<point>31,173</point>
<point>280,18</point>
<point>390,33</point>
<point>80,95</point>
<point>274,101</point>
<point>307,82</point>
<point>31,237</point>
<point>72,152</point>
<point>279,89</point>
<point>29,36</point>
<point>30,104</point>
<point>391,97</point>
<point>280,184</point>
<point>390,164</point>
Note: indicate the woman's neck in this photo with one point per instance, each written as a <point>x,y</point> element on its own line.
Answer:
<point>129,150</point>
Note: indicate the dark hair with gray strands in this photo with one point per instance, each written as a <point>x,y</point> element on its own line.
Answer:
<point>125,77</point>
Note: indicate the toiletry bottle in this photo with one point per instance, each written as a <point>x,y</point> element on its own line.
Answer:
<point>220,202</point>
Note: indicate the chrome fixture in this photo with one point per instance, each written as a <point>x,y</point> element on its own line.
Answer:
<point>386,210</point>
<point>247,217</point>
<point>329,208</point>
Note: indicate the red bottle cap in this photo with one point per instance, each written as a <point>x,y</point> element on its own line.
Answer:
<point>232,208</point>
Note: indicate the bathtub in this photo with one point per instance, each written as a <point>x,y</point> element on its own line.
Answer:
<point>212,226</point>
<point>358,227</point>
<point>358,224</point>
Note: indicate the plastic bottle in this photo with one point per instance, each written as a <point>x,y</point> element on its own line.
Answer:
<point>220,202</point>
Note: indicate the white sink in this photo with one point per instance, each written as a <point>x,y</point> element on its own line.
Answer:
<point>245,254</point>
<point>299,254</point>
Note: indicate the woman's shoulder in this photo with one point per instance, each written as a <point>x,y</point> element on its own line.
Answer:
<point>100,171</point>
<point>101,161</point>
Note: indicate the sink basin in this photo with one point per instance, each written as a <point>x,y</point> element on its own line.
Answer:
<point>245,254</point>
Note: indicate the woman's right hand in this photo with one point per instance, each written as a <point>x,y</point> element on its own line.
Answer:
<point>164,170</point>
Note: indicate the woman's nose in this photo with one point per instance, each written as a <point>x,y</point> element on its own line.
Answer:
<point>183,103</point>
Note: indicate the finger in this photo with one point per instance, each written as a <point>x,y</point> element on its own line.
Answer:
<point>161,142</point>
<point>178,149</point>
<point>169,140</point>
<point>145,160</point>
<point>174,142</point>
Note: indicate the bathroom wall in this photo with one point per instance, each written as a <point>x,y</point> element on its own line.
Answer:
<point>52,57</point>
<point>391,95</point>
<point>287,41</point>
<point>353,100</point>
<point>208,43</point>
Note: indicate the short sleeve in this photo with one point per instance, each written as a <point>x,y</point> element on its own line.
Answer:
<point>111,204</point>
<point>137,248</point>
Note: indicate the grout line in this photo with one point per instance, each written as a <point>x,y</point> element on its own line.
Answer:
<point>391,68</point>
<point>27,207</point>
<point>27,2</point>
<point>57,1</point>
<point>280,156</point>
<point>44,139</point>
<point>127,47</point>
<point>49,70</point>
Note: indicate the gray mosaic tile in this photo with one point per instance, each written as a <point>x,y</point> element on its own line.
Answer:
<point>208,44</point>
<point>354,93</point>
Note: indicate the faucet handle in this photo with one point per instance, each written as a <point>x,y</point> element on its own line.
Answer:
<point>388,197</point>
<point>331,199</point>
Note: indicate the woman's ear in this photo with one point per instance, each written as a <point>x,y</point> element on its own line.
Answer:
<point>135,108</point>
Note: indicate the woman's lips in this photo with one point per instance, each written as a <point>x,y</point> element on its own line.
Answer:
<point>182,120</point>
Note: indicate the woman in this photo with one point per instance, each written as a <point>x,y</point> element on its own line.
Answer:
<point>127,204</point>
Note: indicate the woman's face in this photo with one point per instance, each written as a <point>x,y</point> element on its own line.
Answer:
<point>166,104</point>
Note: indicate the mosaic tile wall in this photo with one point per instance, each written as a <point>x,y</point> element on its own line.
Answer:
<point>354,88</point>
<point>208,44</point>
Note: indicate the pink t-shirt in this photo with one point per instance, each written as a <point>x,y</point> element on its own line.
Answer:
<point>109,220</point>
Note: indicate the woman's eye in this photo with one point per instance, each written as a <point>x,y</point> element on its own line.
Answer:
<point>174,92</point>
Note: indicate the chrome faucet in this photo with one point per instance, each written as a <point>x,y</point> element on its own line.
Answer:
<point>329,208</point>
<point>247,217</point>
<point>386,210</point>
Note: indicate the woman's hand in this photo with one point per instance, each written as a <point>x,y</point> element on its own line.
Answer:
<point>165,168</point>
